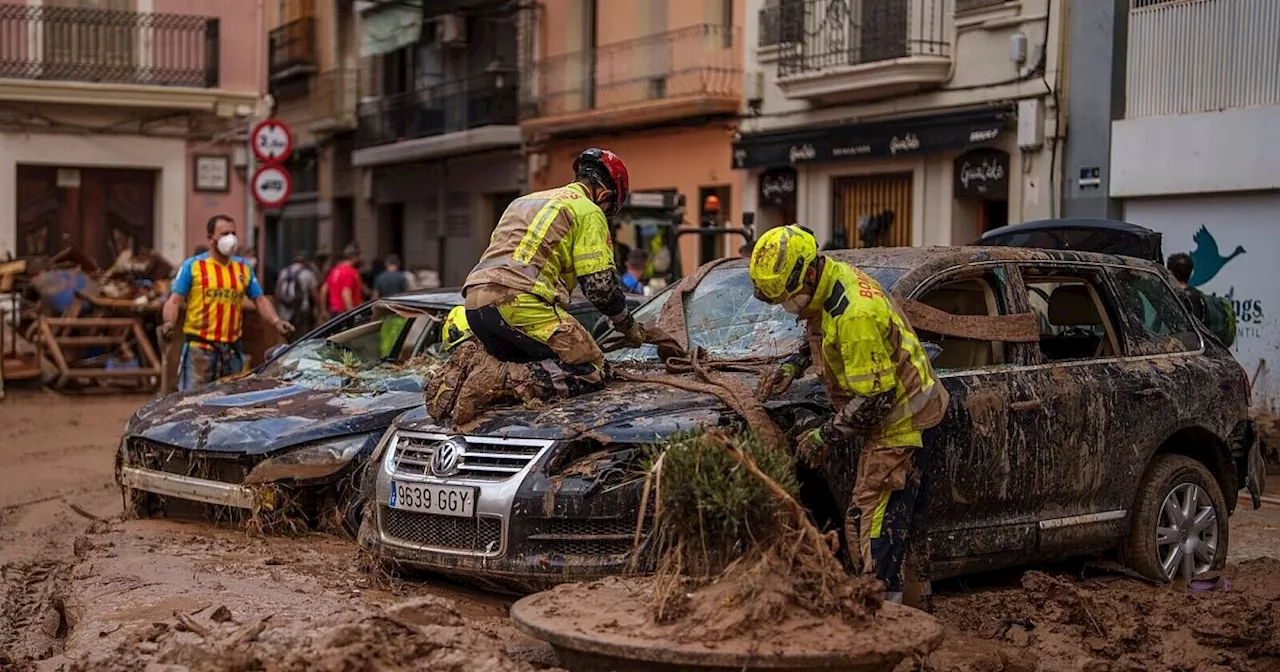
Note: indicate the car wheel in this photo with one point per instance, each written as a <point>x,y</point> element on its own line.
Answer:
<point>1179,526</point>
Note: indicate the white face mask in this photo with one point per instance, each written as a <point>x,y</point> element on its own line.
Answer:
<point>797,304</point>
<point>227,244</point>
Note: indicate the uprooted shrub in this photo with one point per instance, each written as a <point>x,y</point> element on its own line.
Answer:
<point>732,538</point>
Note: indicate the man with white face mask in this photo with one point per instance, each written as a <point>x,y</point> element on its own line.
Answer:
<point>214,285</point>
<point>880,383</point>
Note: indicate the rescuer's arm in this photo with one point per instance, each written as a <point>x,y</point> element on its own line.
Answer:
<point>593,264</point>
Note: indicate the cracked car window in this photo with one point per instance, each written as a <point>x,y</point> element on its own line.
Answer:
<point>359,348</point>
<point>724,317</point>
<point>1165,326</point>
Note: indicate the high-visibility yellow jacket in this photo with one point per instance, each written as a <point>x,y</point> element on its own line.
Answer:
<point>864,347</point>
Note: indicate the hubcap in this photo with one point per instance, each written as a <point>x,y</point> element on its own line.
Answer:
<point>1187,532</point>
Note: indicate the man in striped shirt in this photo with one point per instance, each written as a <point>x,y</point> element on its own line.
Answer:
<point>214,285</point>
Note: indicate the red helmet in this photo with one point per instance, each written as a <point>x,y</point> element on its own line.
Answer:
<point>606,167</point>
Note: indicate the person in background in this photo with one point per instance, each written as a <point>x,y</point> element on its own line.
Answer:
<point>296,291</point>
<point>1181,266</point>
<point>214,286</point>
<point>391,280</point>
<point>344,289</point>
<point>633,279</point>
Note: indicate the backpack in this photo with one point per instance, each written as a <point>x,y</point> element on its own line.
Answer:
<point>289,290</point>
<point>1219,316</point>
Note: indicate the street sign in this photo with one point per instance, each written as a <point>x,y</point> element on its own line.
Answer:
<point>272,141</point>
<point>272,186</point>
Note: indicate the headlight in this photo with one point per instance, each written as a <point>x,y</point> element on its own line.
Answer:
<point>314,460</point>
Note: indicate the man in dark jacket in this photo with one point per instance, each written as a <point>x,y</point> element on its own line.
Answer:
<point>1181,266</point>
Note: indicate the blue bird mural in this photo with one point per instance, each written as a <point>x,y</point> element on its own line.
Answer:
<point>1206,259</point>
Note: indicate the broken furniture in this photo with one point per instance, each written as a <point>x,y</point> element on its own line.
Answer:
<point>99,351</point>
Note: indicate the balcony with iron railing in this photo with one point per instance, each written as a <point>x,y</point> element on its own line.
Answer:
<point>291,51</point>
<point>488,99</point>
<point>47,43</point>
<point>833,50</point>
<point>693,71</point>
<point>1196,56</point>
<point>333,101</point>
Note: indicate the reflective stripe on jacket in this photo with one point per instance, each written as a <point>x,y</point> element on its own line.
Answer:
<point>543,243</point>
<point>863,346</point>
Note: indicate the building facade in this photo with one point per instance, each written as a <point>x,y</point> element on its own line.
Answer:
<point>901,122</point>
<point>117,120</point>
<point>657,82</point>
<point>312,67</point>
<point>1182,148</point>
<point>438,146</point>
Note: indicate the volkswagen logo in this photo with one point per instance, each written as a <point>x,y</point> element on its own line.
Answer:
<point>447,457</point>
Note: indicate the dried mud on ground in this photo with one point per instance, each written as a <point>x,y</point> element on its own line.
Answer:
<point>84,594</point>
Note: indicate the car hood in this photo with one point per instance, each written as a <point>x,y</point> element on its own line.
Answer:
<point>625,411</point>
<point>257,415</point>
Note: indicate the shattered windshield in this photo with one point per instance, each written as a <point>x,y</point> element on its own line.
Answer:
<point>724,317</point>
<point>378,346</point>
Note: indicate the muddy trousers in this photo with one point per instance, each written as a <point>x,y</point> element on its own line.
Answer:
<point>887,495</point>
<point>562,357</point>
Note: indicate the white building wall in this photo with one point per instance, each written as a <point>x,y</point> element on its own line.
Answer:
<point>983,72</point>
<point>166,155</point>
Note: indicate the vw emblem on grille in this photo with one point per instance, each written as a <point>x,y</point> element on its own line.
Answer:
<point>447,457</point>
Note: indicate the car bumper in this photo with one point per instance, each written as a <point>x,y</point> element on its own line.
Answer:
<point>187,487</point>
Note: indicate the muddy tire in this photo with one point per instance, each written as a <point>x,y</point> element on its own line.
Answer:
<point>1178,526</point>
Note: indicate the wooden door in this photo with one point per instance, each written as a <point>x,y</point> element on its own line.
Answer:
<point>887,197</point>
<point>112,210</point>
<point>40,212</point>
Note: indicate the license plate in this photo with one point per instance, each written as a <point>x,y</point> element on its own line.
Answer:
<point>445,500</point>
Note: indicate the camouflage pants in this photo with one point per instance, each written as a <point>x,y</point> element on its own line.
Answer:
<point>887,494</point>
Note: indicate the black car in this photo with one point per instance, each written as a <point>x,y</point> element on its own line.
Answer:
<point>303,421</point>
<point>1104,417</point>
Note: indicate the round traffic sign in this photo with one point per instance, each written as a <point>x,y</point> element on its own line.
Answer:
<point>272,141</point>
<point>272,186</point>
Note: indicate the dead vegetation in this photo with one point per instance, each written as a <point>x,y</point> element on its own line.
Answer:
<point>734,547</point>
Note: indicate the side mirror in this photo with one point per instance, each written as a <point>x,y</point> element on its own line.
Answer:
<point>275,350</point>
<point>932,349</point>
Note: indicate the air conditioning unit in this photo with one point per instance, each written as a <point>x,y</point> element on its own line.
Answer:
<point>452,31</point>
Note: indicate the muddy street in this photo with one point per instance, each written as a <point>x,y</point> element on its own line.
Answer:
<point>83,589</point>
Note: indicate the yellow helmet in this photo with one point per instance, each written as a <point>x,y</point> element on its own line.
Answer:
<point>455,329</point>
<point>779,261</point>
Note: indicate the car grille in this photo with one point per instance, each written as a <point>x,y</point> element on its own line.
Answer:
<point>479,535</point>
<point>484,459</point>
<point>221,467</point>
<point>590,536</point>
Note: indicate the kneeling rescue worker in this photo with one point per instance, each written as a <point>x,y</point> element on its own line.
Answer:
<point>879,380</point>
<point>518,294</point>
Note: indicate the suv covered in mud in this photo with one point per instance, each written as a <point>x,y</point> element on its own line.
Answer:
<point>1088,411</point>
<point>290,434</point>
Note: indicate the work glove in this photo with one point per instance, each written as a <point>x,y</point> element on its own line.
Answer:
<point>814,446</point>
<point>777,381</point>
<point>632,332</point>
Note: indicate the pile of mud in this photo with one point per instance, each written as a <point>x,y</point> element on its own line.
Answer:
<point>1058,624</point>
<point>424,633</point>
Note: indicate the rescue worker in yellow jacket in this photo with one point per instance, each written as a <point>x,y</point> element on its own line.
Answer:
<point>880,382</point>
<point>517,296</point>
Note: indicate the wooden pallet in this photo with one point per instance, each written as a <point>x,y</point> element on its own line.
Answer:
<point>63,339</point>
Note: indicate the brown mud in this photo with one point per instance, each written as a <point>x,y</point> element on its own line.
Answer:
<point>78,593</point>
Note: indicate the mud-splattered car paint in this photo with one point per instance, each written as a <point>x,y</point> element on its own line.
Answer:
<point>308,418</point>
<point>1038,457</point>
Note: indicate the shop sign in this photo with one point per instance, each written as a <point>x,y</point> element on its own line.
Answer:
<point>778,188</point>
<point>982,173</point>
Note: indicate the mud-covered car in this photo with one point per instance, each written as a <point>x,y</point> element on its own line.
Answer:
<point>1088,412</point>
<point>295,430</point>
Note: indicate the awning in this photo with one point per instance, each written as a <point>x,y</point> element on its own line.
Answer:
<point>895,138</point>
<point>386,28</point>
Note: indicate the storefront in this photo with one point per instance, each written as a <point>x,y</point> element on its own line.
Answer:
<point>1229,238</point>
<point>929,180</point>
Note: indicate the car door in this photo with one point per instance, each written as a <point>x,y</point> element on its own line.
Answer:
<point>1076,407</point>
<point>979,479</point>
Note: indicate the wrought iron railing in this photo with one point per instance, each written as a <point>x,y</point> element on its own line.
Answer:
<point>1201,56</point>
<point>292,48</point>
<point>703,59</point>
<point>108,46</point>
<point>833,34</point>
<point>486,99</point>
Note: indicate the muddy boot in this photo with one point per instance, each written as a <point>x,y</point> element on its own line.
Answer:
<point>488,382</point>
<point>441,392</point>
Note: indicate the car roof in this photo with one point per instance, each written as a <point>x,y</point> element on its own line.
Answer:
<point>1108,236</point>
<point>448,297</point>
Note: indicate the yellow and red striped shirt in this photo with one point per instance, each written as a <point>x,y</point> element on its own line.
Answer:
<point>215,293</point>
